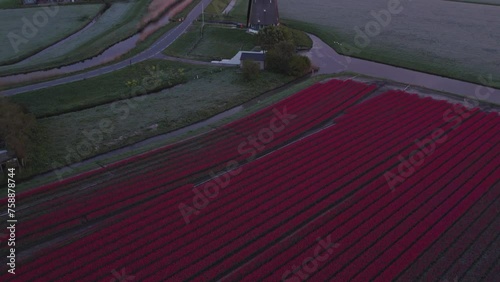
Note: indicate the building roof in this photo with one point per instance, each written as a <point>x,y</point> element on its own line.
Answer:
<point>263,12</point>
<point>253,56</point>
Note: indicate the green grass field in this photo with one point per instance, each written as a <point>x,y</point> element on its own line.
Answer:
<point>117,23</point>
<point>453,42</point>
<point>239,12</point>
<point>133,120</point>
<point>51,28</point>
<point>99,90</point>
<point>10,4</point>
<point>216,7</point>
<point>217,43</point>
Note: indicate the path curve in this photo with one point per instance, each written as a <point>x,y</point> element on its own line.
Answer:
<point>329,61</point>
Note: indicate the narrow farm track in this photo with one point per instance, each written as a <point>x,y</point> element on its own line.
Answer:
<point>311,199</point>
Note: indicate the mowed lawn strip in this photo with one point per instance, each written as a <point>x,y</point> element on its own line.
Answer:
<point>239,11</point>
<point>58,25</point>
<point>216,43</point>
<point>216,7</point>
<point>222,42</point>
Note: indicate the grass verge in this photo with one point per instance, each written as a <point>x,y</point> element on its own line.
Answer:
<point>216,7</point>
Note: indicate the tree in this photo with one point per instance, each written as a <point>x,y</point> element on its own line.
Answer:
<point>17,128</point>
<point>270,36</point>
<point>299,65</point>
<point>282,58</point>
<point>251,70</point>
<point>278,58</point>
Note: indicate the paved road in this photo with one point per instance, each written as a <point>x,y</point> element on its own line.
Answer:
<point>152,51</point>
<point>330,61</point>
<point>321,55</point>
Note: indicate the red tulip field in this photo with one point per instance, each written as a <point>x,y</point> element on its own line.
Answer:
<point>338,182</point>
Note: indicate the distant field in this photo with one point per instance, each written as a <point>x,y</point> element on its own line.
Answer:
<point>217,43</point>
<point>485,2</point>
<point>118,22</point>
<point>441,37</point>
<point>52,28</point>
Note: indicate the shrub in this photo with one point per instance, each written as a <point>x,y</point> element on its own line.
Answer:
<point>300,39</point>
<point>17,128</point>
<point>251,70</point>
<point>270,36</point>
<point>278,58</point>
<point>299,65</point>
<point>282,59</point>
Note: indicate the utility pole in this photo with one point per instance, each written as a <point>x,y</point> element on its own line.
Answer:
<point>202,18</point>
